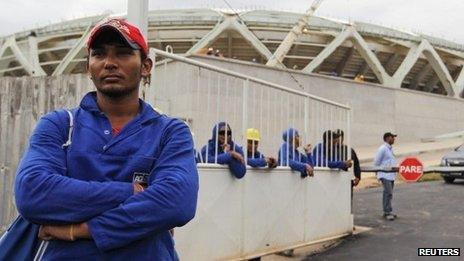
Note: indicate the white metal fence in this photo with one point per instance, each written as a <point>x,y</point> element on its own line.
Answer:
<point>204,94</point>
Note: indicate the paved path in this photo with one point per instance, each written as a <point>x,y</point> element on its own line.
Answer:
<point>431,214</point>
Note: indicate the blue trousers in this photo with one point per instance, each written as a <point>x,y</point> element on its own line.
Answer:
<point>387,195</point>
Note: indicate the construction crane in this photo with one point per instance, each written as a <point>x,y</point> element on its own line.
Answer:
<point>296,31</point>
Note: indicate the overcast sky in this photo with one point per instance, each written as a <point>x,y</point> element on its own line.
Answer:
<point>440,18</point>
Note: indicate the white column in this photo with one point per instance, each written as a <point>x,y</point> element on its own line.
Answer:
<point>137,14</point>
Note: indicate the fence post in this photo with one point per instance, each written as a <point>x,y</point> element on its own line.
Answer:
<point>348,130</point>
<point>246,87</point>
<point>306,120</point>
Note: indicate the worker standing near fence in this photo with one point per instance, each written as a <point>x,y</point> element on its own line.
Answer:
<point>256,158</point>
<point>84,195</point>
<point>386,159</point>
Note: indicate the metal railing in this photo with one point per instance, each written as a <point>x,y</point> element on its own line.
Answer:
<point>204,94</point>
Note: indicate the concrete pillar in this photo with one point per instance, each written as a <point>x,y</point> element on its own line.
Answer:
<point>137,14</point>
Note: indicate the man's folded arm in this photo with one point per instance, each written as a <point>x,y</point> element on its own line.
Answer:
<point>168,202</point>
<point>44,194</point>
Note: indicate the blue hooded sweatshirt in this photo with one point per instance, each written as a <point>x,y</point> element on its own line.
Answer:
<point>296,160</point>
<point>323,160</point>
<point>256,160</point>
<point>213,153</point>
<point>91,181</point>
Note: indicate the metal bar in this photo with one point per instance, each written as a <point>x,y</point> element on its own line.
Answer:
<point>207,109</point>
<point>431,169</point>
<point>198,99</point>
<point>261,114</point>
<point>242,76</point>
<point>246,87</point>
<point>218,100</point>
<point>348,130</point>
<point>317,133</point>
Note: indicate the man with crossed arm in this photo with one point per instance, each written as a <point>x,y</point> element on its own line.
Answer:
<point>83,196</point>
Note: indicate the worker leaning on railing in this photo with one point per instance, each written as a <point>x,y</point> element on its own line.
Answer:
<point>221,149</point>
<point>291,157</point>
<point>254,157</point>
<point>326,153</point>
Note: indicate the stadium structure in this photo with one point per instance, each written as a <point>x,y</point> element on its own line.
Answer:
<point>359,51</point>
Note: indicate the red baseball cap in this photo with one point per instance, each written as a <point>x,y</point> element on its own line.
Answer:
<point>129,32</point>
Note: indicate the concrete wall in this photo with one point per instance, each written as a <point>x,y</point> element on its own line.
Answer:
<point>22,102</point>
<point>265,212</point>
<point>376,109</point>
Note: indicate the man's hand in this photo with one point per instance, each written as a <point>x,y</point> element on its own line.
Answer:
<point>349,164</point>
<point>395,169</point>
<point>308,148</point>
<point>355,182</point>
<point>66,233</point>
<point>226,147</point>
<point>237,156</point>
<point>138,188</point>
<point>271,162</point>
<point>309,170</point>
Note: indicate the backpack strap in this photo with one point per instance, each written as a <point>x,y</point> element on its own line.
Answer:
<point>71,127</point>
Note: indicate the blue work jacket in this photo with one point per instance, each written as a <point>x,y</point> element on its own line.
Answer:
<point>323,157</point>
<point>91,182</point>
<point>256,160</point>
<point>214,153</point>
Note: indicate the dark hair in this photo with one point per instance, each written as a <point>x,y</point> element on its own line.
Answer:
<point>388,134</point>
<point>340,133</point>
<point>328,137</point>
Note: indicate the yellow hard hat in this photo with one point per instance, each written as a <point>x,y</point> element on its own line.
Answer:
<point>253,134</point>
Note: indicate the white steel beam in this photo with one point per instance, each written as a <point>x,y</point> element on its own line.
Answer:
<point>327,51</point>
<point>34,55</point>
<point>20,57</point>
<point>350,33</point>
<point>294,33</point>
<point>66,64</point>
<point>435,61</point>
<point>251,38</point>
<point>407,64</point>
<point>210,37</point>
<point>231,23</point>
<point>5,45</point>
<point>371,59</point>
<point>460,84</point>
<point>441,69</point>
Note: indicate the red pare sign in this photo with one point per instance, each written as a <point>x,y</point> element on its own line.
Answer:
<point>411,169</point>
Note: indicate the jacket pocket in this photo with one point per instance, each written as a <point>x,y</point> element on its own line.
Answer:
<point>142,164</point>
